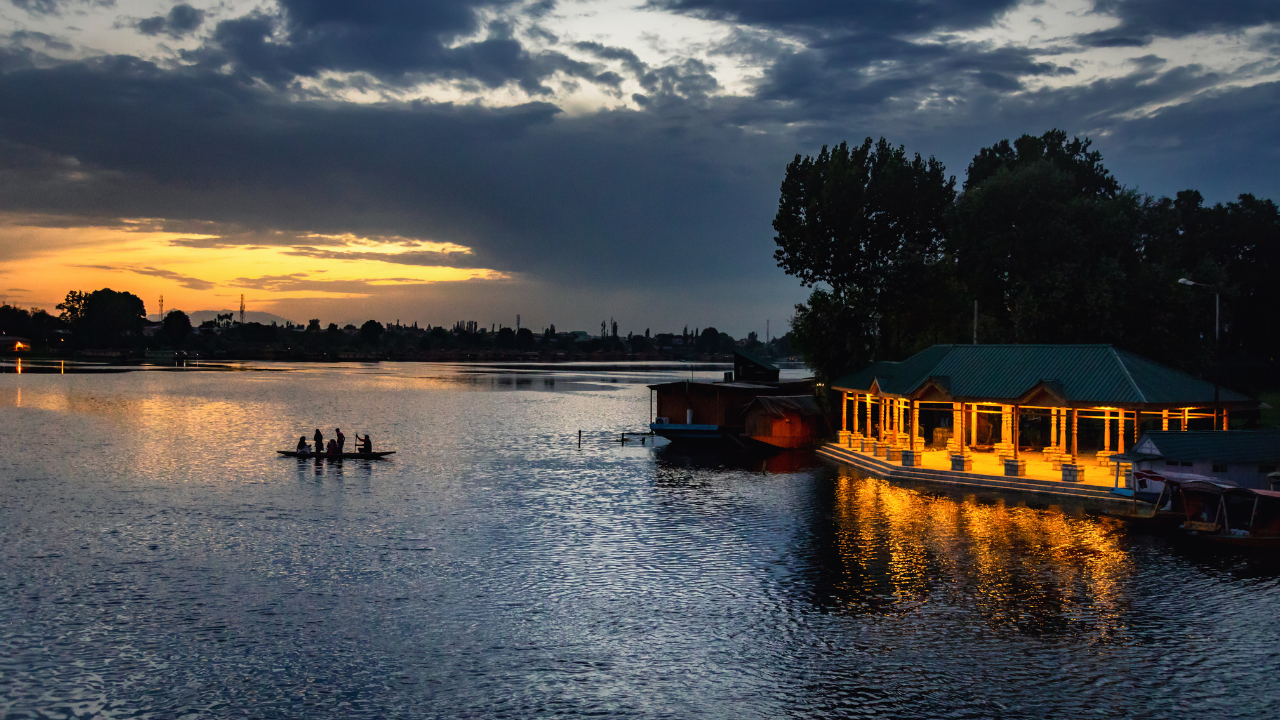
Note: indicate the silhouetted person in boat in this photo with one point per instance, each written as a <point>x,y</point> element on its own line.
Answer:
<point>342,439</point>
<point>365,445</point>
<point>333,448</point>
<point>319,438</point>
<point>302,445</point>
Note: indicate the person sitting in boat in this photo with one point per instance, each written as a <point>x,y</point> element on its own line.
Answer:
<point>303,447</point>
<point>366,444</point>
<point>342,439</point>
<point>333,447</point>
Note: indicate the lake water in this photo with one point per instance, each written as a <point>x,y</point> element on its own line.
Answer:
<point>159,560</point>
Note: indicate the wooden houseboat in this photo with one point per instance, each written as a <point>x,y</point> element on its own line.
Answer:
<point>710,410</point>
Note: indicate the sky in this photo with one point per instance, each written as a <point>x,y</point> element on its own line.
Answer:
<point>568,161</point>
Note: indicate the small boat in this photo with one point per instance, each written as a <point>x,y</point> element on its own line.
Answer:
<point>341,456</point>
<point>1246,517</point>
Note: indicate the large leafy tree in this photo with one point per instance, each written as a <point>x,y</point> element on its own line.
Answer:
<point>864,226</point>
<point>1047,242</point>
<point>104,317</point>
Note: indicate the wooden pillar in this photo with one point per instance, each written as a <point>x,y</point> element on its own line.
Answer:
<point>1106,431</point>
<point>899,423</point>
<point>915,425</point>
<point>869,436</point>
<point>1053,427</point>
<point>880,425</point>
<point>1164,420</point>
<point>957,426</point>
<point>1120,434</point>
<point>1226,424</point>
<point>1186,416</point>
<point>1017,413</point>
<point>1075,425</point>
<point>844,412</point>
<point>973,424</point>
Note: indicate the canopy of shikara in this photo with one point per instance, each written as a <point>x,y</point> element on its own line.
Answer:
<point>1085,376</point>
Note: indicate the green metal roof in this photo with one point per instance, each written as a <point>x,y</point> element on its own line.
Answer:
<point>1236,447</point>
<point>1083,374</point>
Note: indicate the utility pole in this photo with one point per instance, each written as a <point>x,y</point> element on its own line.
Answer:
<point>241,308</point>
<point>766,332</point>
<point>975,322</point>
<point>1217,344</point>
<point>161,308</point>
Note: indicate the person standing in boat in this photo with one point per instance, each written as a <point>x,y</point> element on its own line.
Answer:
<point>342,439</point>
<point>319,438</point>
<point>303,447</point>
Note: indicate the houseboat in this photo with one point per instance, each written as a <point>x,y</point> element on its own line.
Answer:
<point>715,410</point>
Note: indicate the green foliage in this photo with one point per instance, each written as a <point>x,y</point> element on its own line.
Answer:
<point>104,317</point>
<point>1047,241</point>
<point>867,223</point>
<point>175,327</point>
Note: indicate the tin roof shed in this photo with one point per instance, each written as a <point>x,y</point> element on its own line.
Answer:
<point>1060,375</point>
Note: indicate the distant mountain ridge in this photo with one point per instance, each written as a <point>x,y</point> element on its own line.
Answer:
<point>250,316</point>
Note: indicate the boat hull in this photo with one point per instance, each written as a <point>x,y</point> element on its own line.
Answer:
<point>688,433</point>
<point>341,456</point>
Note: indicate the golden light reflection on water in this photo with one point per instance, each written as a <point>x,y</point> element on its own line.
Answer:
<point>1039,570</point>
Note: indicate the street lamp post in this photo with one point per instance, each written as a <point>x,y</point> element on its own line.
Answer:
<point>1217,350</point>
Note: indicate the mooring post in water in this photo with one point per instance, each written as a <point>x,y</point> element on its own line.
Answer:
<point>579,439</point>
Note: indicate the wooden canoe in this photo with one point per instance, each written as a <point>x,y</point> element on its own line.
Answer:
<point>343,456</point>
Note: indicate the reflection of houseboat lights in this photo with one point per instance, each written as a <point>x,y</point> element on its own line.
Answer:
<point>19,346</point>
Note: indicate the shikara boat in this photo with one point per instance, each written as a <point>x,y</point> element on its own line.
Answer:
<point>1246,517</point>
<point>340,456</point>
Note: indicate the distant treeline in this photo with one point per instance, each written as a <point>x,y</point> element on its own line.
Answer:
<point>1050,245</point>
<point>110,320</point>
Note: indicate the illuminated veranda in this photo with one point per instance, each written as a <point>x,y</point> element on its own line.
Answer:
<point>1072,407</point>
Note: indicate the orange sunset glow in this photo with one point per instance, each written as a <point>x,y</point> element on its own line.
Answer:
<point>198,271</point>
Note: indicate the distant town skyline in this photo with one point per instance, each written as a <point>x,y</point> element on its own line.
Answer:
<point>479,159</point>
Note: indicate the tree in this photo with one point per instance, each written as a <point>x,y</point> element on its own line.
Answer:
<point>73,307</point>
<point>524,338</point>
<point>1048,242</point>
<point>371,332</point>
<point>104,316</point>
<point>864,226</point>
<point>175,327</point>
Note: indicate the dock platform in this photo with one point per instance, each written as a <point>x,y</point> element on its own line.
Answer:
<point>987,474</point>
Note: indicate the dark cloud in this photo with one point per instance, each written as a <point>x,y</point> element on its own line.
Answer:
<point>573,198</point>
<point>400,42</point>
<point>1141,21</point>
<point>893,17</point>
<point>422,258</point>
<point>185,281</point>
<point>181,20</point>
<point>661,210</point>
<point>56,7</point>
